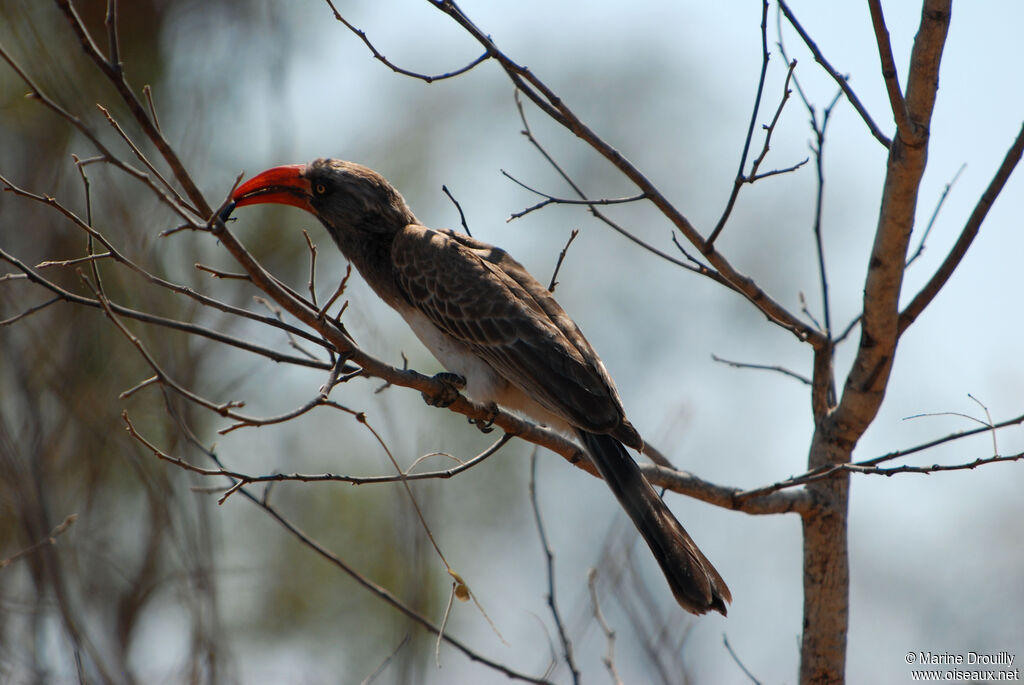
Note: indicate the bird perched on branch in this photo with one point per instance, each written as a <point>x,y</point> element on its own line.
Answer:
<point>500,334</point>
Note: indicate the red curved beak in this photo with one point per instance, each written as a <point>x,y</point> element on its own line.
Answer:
<point>284,185</point>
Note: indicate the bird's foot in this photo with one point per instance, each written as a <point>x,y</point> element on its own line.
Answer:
<point>452,383</point>
<point>487,425</point>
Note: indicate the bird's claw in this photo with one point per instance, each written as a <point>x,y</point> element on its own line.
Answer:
<point>452,383</point>
<point>487,425</point>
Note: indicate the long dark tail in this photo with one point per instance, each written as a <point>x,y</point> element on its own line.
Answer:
<point>694,581</point>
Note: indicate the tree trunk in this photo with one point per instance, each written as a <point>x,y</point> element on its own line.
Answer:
<point>826,569</point>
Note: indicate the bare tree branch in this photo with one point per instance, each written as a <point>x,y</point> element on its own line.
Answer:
<point>145,161</point>
<point>394,67</point>
<point>553,105</point>
<point>904,126</point>
<point>549,557</point>
<point>865,466</point>
<point>194,329</point>
<point>836,76</point>
<point>746,671</point>
<point>596,213</point>
<point>561,257</point>
<point>50,539</point>
<point>384,664</point>
<point>144,273</point>
<point>115,75</point>
<point>245,479</point>
<point>741,178</point>
<point>106,155</point>
<point>29,312</point>
<point>819,202</point>
<point>462,216</point>
<point>373,588</point>
<point>865,385</point>
<point>736,499</point>
<point>609,657</point>
<point>765,367</point>
<point>552,200</point>
<point>935,214</point>
<point>967,235</point>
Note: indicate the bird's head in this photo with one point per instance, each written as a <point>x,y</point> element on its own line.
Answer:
<point>347,197</point>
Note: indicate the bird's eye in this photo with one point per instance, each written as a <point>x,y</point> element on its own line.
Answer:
<point>320,188</point>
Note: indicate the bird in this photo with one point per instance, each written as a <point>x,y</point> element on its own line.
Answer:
<point>500,334</point>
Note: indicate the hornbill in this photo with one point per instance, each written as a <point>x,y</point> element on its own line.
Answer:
<point>501,335</point>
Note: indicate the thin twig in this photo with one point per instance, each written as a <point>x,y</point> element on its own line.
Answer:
<point>245,478</point>
<point>987,423</point>
<point>836,76</point>
<point>222,408</point>
<point>461,588</point>
<point>384,664</point>
<point>223,275</point>
<point>557,109</point>
<point>868,465</point>
<point>318,401</point>
<point>89,246</point>
<point>145,274</point>
<point>904,126</point>
<point>561,257</point>
<point>746,671</point>
<point>462,216</point>
<point>849,329</point>
<point>776,172</point>
<point>445,615</point>
<point>549,557</point>
<point>967,235</point>
<point>988,415</point>
<point>311,285</point>
<point>193,329</point>
<point>113,51</point>
<point>138,386</point>
<point>935,213</point>
<point>770,129</point>
<point>276,311</point>
<point>552,200</point>
<point>394,67</point>
<point>50,539</point>
<point>807,312</point>
<point>70,262</point>
<point>738,182</point>
<point>147,90</point>
<point>145,161</point>
<point>337,293</point>
<point>835,469</point>
<point>116,77</point>
<point>38,94</point>
<point>819,202</point>
<point>764,367</point>
<point>29,312</point>
<point>373,588</point>
<point>597,214</point>
<point>609,635</point>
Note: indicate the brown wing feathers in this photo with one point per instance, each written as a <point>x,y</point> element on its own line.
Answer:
<point>482,297</point>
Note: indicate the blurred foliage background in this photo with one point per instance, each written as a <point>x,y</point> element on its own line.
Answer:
<point>154,582</point>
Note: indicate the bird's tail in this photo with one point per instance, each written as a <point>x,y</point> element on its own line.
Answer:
<point>694,581</point>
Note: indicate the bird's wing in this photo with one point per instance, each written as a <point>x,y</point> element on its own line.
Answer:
<point>477,294</point>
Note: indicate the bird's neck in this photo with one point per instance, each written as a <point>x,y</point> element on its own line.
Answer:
<point>370,253</point>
